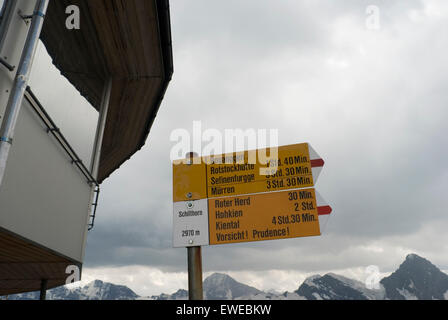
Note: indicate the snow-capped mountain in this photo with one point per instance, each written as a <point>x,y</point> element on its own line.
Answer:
<point>270,295</point>
<point>336,287</point>
<point>96,290</point>
<point>416,278</point>
<point>180,294</point>
<point>220,286</point>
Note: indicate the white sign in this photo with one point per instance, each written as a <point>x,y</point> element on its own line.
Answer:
<point>190,221</point>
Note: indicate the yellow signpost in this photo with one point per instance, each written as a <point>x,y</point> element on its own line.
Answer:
<point>254,195</point>
<point>263,216</point>
<point>245,173</point>
<point>290,169</point>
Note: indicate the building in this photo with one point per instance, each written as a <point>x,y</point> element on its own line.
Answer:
<point>120,60</point>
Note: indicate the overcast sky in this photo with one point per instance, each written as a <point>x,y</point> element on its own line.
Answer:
<point>372,103</point>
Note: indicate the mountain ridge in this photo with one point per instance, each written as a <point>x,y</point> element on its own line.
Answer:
<point>416,278</point>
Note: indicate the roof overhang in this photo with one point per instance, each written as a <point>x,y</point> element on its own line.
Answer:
<point>23,264</point>
<point>126,41</point>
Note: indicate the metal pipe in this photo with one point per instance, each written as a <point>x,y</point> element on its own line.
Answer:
<point>96,152</point>
<point>20,83</point>
<point>101,125</point>
<point>95,206</point>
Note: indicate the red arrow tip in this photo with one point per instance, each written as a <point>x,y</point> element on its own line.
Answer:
<point>324,210</point>
<point>317,163</point>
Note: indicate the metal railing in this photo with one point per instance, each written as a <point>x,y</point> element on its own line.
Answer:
<point>57,134</point>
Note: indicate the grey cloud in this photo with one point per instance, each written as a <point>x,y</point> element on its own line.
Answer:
<point>379,123</point>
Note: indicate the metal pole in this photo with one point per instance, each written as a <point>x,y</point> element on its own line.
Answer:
<point>20,84</point>
<point>43,289</point>
<point>101,125</point>
<point>195,290</point>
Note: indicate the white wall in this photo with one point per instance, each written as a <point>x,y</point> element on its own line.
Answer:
<point>43,197</point>
<point>75,117</point>
<point>71,112</point>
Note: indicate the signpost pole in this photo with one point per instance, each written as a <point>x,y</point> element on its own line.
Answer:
<point>217,203</point>
<point>195,291</point>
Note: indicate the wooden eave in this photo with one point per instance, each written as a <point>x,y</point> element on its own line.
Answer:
<point>127,40</point>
